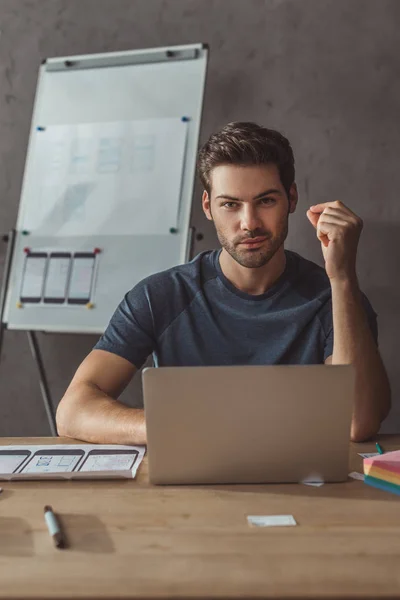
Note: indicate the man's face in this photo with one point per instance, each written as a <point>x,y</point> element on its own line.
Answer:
<point>250,210</point>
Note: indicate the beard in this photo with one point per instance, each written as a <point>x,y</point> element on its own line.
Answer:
<point>253,258</point>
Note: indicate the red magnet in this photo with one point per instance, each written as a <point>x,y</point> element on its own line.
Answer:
<point>27,250</point>
<point>97,250</point>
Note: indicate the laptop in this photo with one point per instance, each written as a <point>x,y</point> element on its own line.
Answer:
<point>248,424</point>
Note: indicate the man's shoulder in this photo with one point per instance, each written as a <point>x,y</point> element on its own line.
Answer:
<point>159,298</point>
<point>308,278</point>
<point>185,279</point>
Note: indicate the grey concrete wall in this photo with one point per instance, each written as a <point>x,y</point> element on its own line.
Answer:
<point>325,72</point>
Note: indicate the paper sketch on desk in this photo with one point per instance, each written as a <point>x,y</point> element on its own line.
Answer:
<point>83,461</point>
<point>11,460</point>
<point>111,178</point>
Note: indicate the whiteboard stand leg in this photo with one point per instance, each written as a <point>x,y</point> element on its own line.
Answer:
<point>10,238</point>
<point>33,343</point>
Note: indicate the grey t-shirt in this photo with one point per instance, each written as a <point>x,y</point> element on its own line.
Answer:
<point>192,315</point>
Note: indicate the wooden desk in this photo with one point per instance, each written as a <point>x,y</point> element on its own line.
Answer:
<point>129,539</point>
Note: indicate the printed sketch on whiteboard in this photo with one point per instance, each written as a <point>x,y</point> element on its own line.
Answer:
<point>118,178</point>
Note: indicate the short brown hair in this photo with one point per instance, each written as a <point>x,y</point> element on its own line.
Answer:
<point>246,144</point>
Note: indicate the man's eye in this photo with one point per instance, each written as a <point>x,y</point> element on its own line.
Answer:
<point>267,200</point>
<point>229,204</point>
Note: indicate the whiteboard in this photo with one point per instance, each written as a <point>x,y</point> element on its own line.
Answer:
<point>108,183</point>
<point>106,178</point>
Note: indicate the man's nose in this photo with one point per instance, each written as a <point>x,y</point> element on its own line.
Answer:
<point>250,219</point>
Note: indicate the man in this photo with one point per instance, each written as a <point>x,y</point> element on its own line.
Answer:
<point>250,303</point>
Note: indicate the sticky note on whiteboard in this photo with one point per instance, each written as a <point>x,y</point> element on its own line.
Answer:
<point>271,520</point>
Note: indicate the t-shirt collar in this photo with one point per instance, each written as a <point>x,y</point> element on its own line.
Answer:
<point>268,294</point>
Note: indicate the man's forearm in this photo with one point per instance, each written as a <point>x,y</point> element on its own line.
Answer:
<point>87,413</point>
<point>354,344</point>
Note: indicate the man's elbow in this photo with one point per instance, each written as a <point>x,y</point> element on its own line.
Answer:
<point>362,433</point>
<point>64,419</point>
<point>387,405</point>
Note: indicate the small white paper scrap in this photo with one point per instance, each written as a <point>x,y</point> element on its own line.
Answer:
<point>313,479</point>
<point>313,483</point>
<point>355,475</point>
<point>368,454</point>
<point>271,520</point>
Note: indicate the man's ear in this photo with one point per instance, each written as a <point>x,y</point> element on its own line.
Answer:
<point>206,203</point>
<point>293,198</point>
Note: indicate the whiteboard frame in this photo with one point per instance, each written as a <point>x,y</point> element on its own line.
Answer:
<point>187,58</point>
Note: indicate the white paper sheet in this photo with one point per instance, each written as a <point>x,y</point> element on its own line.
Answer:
<point>57,276</point>
<point>80,286</point>
<point>355,475</point>
<point>313,479</point>
<point>271,520</point>
<point>114,178</point>
<point>83,461</point>
<point>313,483</point>
<point>368,454</point>
<point>33,277</point>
